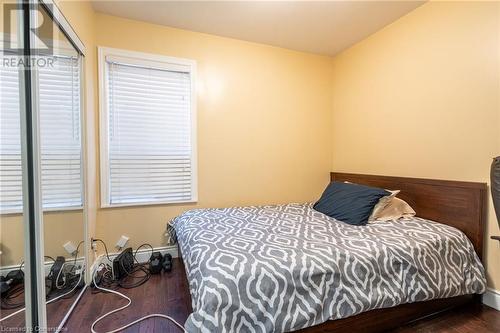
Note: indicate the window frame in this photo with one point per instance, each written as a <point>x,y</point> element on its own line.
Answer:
<point>152,61</point>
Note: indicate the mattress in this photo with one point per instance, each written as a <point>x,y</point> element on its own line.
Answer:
<point>285,267</point>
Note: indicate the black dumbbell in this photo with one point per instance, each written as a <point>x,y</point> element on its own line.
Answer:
<point>167,262</point>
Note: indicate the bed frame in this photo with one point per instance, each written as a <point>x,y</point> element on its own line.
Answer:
<point>458,204</point>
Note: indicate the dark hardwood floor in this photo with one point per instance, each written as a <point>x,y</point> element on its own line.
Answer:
<point>476,318</point>
<point>55,313</point>
<point>168,294</point>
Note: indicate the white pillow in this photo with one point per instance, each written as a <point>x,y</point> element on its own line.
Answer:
<point>382,203</point>
<point>394,210</point>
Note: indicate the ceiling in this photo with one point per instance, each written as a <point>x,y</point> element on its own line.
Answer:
<point>322,27</point>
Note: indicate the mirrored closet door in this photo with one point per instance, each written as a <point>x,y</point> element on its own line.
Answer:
<point>42,158</point>
<point>58,84</point>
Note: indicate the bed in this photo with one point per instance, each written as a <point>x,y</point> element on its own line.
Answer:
<point>288,267</point>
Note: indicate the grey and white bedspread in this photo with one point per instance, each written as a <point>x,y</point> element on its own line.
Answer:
<point>282,268</point>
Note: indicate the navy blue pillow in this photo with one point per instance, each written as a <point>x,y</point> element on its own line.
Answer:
<point>349,203</point>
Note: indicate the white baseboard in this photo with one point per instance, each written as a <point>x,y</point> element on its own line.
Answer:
<point>491,298</point>
<point>142,255</point>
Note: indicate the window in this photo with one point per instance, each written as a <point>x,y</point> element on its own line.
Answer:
<point>148,140</point>
<point>60,137</point>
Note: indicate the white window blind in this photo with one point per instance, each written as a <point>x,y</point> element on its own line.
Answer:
<point>11,198</point>
<point>149,126</point>
<point>59,96</point>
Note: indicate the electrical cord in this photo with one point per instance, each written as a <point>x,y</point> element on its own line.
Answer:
<point>15,292</point>
<point>21,266</point>
<point>139,267</point>
<point>129,301</point>
<point>130,275</point>
<point>70,278</point>
<point>108,281</point>
<point>140,246</point>
<point>65,278</point>
<point>52,300</point>
<point>77,251</point>
<point>105,247</point>
<point>59,287</point>
<point>51,258</point>
<point>6,302</point>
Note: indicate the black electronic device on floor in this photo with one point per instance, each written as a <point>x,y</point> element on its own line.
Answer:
<point>54,274</point>
<point>12,279</point>
<point>123,264</point>
<point>155,263</point>
<point>167,262</point>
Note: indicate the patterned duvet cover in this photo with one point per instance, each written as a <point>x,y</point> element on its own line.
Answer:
<point>286,267</point>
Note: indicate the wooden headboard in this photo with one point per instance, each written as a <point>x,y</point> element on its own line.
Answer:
<point>458,204</point>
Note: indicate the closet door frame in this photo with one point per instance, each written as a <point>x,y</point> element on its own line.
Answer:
<point>35,312</point>
<point>35,299</point>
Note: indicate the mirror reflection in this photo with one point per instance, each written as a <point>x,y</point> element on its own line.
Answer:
<point>62,177</point>
<point>58,87</point>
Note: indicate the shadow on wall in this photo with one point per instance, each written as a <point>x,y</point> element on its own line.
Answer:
<point>495,186</point>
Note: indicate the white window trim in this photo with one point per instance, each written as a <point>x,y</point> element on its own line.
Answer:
<point>154,61</point>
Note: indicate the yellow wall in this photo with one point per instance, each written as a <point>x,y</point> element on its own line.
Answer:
<point>264,123</point>
<point>418,98</point>
<point>59,227</point>
<point>421,98</point>
<point>81,16</point>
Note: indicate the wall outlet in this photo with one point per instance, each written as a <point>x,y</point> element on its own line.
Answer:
<point>70,247</point>
<point>122,242</point>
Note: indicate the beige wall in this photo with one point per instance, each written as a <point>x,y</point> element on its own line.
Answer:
<point>421,98</point>
<point>81,16</point>
<point>418,98</point>
<point>264,123</point>
<point>59,227</point>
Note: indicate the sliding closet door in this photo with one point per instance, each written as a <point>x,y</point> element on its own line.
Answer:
<point>58,88</point>
<point>41,174</point>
